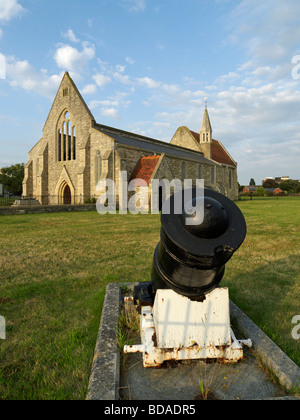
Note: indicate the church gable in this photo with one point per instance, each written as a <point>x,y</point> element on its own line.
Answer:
<point>184,138</point>
<point>68,118</point>
<point>69,98</point>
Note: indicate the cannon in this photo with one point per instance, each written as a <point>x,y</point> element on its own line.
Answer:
<point>184,312</point>
<point>190,259</point>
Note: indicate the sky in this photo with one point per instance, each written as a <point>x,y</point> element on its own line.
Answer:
<point>146,66</point>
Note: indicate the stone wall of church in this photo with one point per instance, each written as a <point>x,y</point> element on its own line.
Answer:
<point>215,176</point>
<point>67,100</point>
<point>101,159</point>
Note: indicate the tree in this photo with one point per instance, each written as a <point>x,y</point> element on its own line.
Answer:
<point>260,192</point>
<point>289,186</point>
<point>252,182</point>
<point>12,178</point>
<point>270,183</point>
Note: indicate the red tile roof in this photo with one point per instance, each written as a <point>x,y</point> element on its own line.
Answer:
<point>219,154</point>
<point>145,168</point>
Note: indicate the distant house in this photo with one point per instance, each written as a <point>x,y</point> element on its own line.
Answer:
<point>250,189</point>
<point>253,189</point>
<point>275,191</point>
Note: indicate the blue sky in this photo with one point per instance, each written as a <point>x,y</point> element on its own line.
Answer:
<point>147,65</point>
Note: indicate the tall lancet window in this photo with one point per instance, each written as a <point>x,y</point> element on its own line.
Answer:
<point>66,139</point>
<point>59,145</point>
<point>64,142</point>
<point>74,142</point>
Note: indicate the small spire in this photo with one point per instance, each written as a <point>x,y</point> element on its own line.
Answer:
<point>206,126</point>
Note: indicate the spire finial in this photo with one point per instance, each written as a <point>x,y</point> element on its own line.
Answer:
<point>205,99</point>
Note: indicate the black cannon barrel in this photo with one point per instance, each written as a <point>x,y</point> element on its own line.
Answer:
<point>190,259</point>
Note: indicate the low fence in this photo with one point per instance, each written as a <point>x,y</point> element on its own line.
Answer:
<point>10,205</point>
<point>14,210</point>
<point>46,200</point>
<point>8,200</point>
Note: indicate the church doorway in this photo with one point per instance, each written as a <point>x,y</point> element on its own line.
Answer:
<point>64,194</point>
<point>67,198</point>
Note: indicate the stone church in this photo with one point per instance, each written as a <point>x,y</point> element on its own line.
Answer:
<point>76,152</point>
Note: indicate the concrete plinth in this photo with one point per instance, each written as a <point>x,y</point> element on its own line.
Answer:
<point>180,380</point>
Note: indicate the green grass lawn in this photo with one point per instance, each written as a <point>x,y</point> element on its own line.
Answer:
<point>264,275</point>
<point>54,269</point>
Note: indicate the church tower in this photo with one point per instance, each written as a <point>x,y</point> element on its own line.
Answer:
<point>206,135</point>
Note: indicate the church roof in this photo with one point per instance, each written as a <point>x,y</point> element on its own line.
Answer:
<point>219,153</point>
<point>145,168</point>
<point>150,145</point>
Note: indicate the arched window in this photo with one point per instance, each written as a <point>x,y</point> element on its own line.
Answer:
<point>230,179</point>
<point>74,142</point>
<point>69,141</point>
<point>66,139</point>
<point>59,145</point>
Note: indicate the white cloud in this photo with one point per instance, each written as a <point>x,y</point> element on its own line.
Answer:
<point>70,36</point>
<point>122,78</point>
<point>148,82</point>
<point>9,9</point>
<point>22,74</point>
<point>105,103</point>
<point>71,59</point>
<point>101,79</point>
<point>135,5</point>
<point>89,89</point>
<point>129,60</point>
<point>112,113</point>
<point>269,29</point>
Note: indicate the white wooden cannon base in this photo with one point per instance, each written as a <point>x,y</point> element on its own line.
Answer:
<point>177,328</point>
